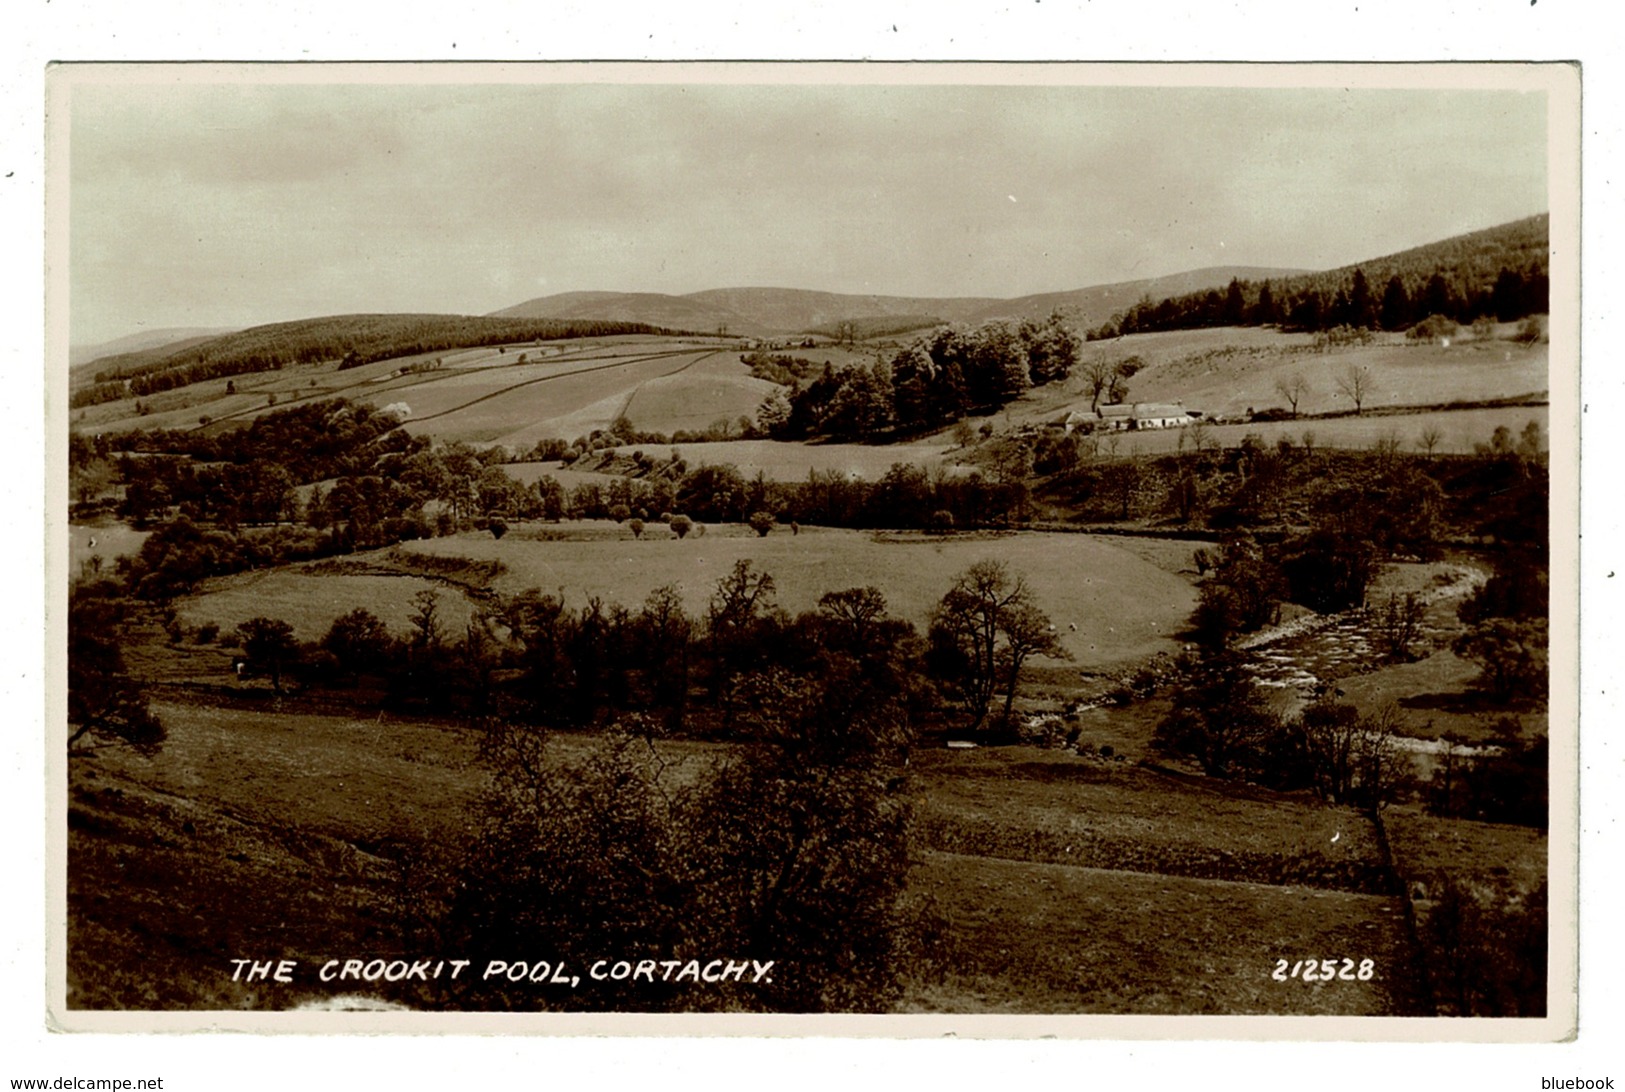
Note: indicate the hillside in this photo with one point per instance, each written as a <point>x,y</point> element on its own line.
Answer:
<point>1501,272</point>
<point>655,308</point>
<point>354,339</point>
<point>145,341</point>
<point>755,311</point>
<point>1098,303</point>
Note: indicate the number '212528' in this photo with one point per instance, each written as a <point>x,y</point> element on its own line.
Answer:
<point>1325,970</point>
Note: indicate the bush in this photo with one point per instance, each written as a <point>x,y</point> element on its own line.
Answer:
<point>1531,331</point>
<point>1433,328</point>
<point>681,525</point>
<point>762,523</point>
<point>207,632</point>
<point>497,528</point>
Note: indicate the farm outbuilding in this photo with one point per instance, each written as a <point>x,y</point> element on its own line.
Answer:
<point>1124,416</point>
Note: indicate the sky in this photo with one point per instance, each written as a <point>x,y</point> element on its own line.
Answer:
<point>193,203</point>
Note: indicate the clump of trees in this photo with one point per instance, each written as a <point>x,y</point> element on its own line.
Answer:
<point>1221,720</point>
<point>938,380</point>
<point>1500,272</point>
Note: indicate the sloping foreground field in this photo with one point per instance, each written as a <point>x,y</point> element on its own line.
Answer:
<point>274,832</point>
<point>1047,806</point>
<point>1026,937</point>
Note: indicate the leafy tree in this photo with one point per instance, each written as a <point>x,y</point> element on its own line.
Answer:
<point>1243,593</point>
<point>713,493</point>
<point>1329,568</point>
<point>1352,758</point>
<point>1219,717</point>
<point>269,645</point>
<point>1027,632</point>
<point>680,526</point>
<point>1433,328</point>
<point>1052,349</point>
<point>359,642</point>
<point>733,624</point>
<point>1097,375</point>
<point>105,703</point>
<point>1399,626</point>
<point>762,523</point>
<point>1511,654</point>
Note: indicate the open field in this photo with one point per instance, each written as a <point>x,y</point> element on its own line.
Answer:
<point>1436,695</point>
<point>1226,370</point>
<point>264,827</point>
<point>1459,431</point>
<point>1494,855</point>
<point>1022,803</point>
<point>1124,608</point>
<point>108,540</point>
<point>1026,937</point>
<point>309,598</point>
<point>558,381</point>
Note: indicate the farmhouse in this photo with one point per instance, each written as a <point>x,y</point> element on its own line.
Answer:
<point>1124,416</point>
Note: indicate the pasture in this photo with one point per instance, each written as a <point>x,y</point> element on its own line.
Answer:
<point>1024,937</point>
<point>1226,371</point>
<point>108,540</point>
<point>1459,432</point>
<point>308,597</point>
<point>1123,607</point>
<point>1024,803</point>
<point>269,827</point>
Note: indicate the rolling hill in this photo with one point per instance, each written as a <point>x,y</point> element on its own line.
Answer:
<point>146,341</point>
<point>758,311</point>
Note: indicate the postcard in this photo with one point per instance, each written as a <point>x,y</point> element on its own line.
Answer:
<point>847,549</point>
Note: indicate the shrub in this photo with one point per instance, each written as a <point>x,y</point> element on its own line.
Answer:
<point>680,526</point>
<point>207,632</point>
<point>1433,328</point>
<point>1531,331</point>
<point>762,523</point>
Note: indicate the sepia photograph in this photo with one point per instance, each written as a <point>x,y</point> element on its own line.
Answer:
<point>923,544</point>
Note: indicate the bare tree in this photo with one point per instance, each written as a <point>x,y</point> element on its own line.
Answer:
<point>1431,436</point>
<point>1355,382</point>
<point>1292,388</point>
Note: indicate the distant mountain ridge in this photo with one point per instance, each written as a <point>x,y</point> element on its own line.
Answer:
<point>760,311</point>
<point>144,341</point>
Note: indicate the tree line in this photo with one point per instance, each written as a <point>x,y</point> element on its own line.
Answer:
<point>1355,304</point>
